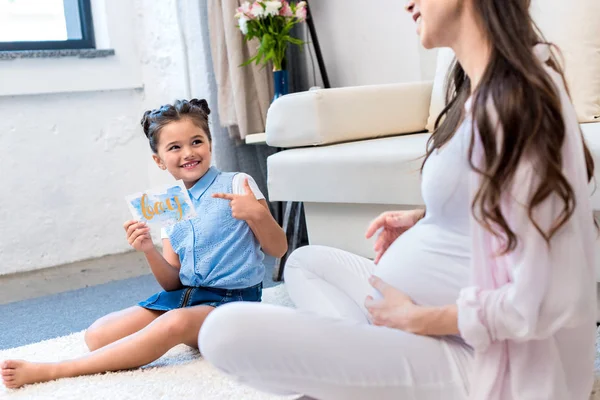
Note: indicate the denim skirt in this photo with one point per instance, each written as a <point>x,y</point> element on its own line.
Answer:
<point>200,296</point>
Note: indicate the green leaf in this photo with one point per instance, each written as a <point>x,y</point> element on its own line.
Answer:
<point>250,61</point>
<point>296,41</point>
<point>267,42</point>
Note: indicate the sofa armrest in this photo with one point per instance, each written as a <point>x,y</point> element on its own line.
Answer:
<point>327,116</point>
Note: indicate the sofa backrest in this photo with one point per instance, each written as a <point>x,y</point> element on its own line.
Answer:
<point>573,26</point>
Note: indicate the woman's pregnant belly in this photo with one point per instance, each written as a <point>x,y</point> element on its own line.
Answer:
<point>429,264</point>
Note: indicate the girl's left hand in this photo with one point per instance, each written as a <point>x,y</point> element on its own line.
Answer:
<point>243,206</point>
<point>394,310</point>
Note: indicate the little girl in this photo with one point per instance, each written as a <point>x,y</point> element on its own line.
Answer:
<point>213,259</point>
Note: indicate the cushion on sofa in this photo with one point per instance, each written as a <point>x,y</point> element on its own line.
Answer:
<point>576,31</point>
<point>445,57</point>
<point>327,116</point>
<point>376,171</point>
<point>591,133</point>
<point>380,171</point>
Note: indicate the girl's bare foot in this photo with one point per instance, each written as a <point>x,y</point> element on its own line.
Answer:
<point>16,373</point>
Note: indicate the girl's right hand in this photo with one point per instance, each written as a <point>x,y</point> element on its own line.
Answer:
<point>392,225</point>
<point>138,236</point>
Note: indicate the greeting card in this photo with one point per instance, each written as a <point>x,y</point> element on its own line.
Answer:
<point>162,206</point>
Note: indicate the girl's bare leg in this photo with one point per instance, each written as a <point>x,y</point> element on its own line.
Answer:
<point>140,348</point>
<point>118,325</point>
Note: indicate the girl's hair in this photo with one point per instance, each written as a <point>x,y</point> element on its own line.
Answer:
<point>154,120</point>
<point>529,113</point>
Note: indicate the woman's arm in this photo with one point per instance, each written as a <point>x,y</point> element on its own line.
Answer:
<point>396,310</point>
<point>545,287</point>
<point>436,321</point>
<point>540,287</point>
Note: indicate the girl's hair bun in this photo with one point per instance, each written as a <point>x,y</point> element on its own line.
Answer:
<point>154,120</point>
<point>145,122</point>
<point>202,104</point>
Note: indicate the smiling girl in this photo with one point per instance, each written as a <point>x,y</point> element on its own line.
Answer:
<point>213,259</point>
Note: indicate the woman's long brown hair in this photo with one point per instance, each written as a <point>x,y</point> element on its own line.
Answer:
<point>529,113</point>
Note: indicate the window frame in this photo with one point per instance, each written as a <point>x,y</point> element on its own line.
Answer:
<point>86,42</point>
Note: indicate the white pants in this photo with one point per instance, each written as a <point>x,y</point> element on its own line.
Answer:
<point>326,349</point>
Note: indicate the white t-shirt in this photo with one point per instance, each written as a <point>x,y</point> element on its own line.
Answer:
<point>237,187</point>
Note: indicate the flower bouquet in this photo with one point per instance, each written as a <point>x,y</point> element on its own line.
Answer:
<point>271,22</point>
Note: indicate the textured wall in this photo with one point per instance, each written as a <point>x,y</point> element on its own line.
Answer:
<point>367,43</point>
<point>68,159</point>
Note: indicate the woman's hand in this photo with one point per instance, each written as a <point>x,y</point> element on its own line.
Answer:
<point>394,310</point>
<point>243,206</point>
<point>138,236</point>
<point>393,224</point>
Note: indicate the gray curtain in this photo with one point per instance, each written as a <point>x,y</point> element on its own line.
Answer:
<point>230,152</point>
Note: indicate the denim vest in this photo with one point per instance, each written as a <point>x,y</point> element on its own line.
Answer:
<point>215,249</point>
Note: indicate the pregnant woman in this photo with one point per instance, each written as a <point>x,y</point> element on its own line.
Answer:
<point>488,293</point>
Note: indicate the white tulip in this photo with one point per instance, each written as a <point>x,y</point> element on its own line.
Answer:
<point>243,23</point>
<point>257,10</point>
<point>272,7</point>
<point>245,7</point>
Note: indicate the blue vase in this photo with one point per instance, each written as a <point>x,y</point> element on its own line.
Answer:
<point>280,78</point>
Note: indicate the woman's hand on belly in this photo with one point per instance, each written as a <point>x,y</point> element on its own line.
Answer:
<point>392,225</point>
<point>395,309</point>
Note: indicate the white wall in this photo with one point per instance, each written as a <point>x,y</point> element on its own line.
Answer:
<point>71,146</point>
<point>70,152</point>
<point>367,43</point>
<point>181,38</point>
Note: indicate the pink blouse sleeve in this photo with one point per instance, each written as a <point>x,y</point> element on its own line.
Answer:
<point>537,289</point>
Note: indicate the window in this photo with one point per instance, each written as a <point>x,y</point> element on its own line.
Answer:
<point>46,25</point>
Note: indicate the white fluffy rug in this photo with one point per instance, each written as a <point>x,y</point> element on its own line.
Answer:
<point>179,374</point>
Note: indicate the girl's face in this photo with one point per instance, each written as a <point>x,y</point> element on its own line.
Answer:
<point>438,21</point>
<point>184,150</point>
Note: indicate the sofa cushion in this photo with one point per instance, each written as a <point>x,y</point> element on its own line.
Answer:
<point>380,171</point>
<point>576,32</point>
<point>377,171</point>
<point>327,116</point>
<point>445,57</point>
<point>591,133</point>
